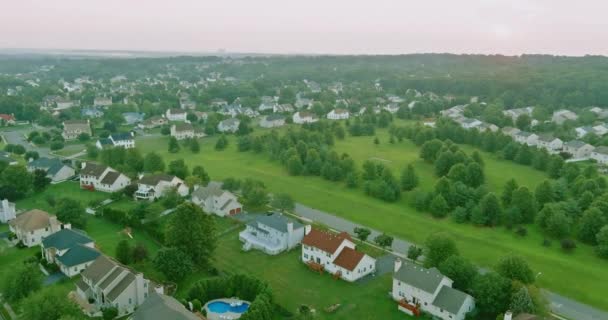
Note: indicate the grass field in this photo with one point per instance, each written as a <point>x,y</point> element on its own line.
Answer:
<point>580,275</point>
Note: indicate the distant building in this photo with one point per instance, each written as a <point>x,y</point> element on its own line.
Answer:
<point>32,226</point>
<point>123,140</point>
<point>338,114</point>
<point>91,112</point>
<point>229,125</point>
<point>154,186</point>
<point>516,113</point>
<point>153,122</point>
<point>102,101</point>
<point>176,115</point>
<point>133,117</point>
<point>302,117</point>
<point>72,129</point>
<point>213,199</point>
<point>100,177</point>
<point>55,170</point>
<point>272,121</point>
<point>7,211</point>
<point>7,119</point>
<point>185,131</point>
<point>578,149</point>
<point>600,154</point>
<point>563,115</point>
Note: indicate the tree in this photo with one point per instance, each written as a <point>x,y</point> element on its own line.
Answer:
<point>474,175</point>
<point>409,178</point>
<point>521,302</point>
<point>492,293</point>
<point>515,268</point>
<point>439,248</point>
<point>140,253</point>
<point>173,263</point>
<point>16,182</point>
<point>524,200</point>
<point>523,122</point>
<point>590,224</point>
<point>460,270</point>
<point>153,163</point>
<point>173,145</point>
<point>507,193</point>
<point>558,224</point>
<point>283,202</point>
<point>362,233</point>
<point>109,313</point>
<point>200,172</point>
<point>56,145</point>
<point>383,240</point>
<point>31,155</point>
<point>178,168</point>
<point>458,173</point>
<point>50,303</point>
<point>71,211</point>
<point>195,146</point>
<point>20,282</point>
<point>439,207</point>
<point>222,143</point>
<point>376,141</point>
<point>430,150</point>
<point>544,193</point>
<point>124,252</point>
<point>192,232</point>
<point>489,211</point>
<point>602,242</point>
<point>40,180</point>
<point>294,165</point>
<point>414,252</point>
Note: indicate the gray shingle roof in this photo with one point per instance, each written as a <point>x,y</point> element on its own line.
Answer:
<point>93,169</point>
<point>121,286</point>
<point>278,222</point>
<point>99,268</point>
<point>154,179</point>
<point>161,307</point>
<point>450,299</point>
<point>575,144</point>
<point>212,189</point>
<point>110,177</point>
<point>419,277</point>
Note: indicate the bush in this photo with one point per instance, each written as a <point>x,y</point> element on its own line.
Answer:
<point>521,231</point>
<point>568,245</point>
<point>546,243</point>
<point>56,145</point>
<point>196,305</point>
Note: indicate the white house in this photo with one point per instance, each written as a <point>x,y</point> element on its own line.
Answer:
<point>124,140</point>
<point>7,211</point>
<point>102,101</point>
<point>510,131</point>
<point>454,112</point>
<point>213,199</point>
<point>154,186</point>
<point>516,113</point>
<point>55,170</point>
<point>74,128</point>
<point>272,234</point>
<point>417,288</point>
<point>268,103</point>
<point>302,117</point>
<point>100,177</point>
<point>550,143</point>
<point>176,115</point>
<point>283,108</point>
<point>185,130</point>
<point>469,123</point>
<point>578,149</point>
<point>153,122</point>
<point>563,115</point>
<point>528,138</point>
<point>600,154</point>
<point>392,107</point>
<point>106,283</point>
<point>70,250</point>
<point>272,121</point>
<point>32,226</point>
<point>583,131</point>
<point>229,125</point>
<point>338,114</point>
<point>335,254</point>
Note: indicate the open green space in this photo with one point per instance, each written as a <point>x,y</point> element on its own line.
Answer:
<point>579,275</point>
<point>67,189</point>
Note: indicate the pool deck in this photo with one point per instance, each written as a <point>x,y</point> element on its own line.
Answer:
<point>226,315</point>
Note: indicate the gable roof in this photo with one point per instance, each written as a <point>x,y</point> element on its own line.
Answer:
<point>212,189</point>
<point>121,286</point>
<point>348,258</point>
<point>161,307</point>
<point>77,255</point>
<point>182,126</point>
<point>575,144</point>
<point>278,222</point>
<point>450,299</point>
<point>31,220</point>
<point>99,268</point>
<point>122,136</point>
<point>601,150</point>
<point>325,241</point>
<point>93,169</point>
<point>419,277</point>
<point>65,239</point>
<point>154,179</point>
<point>110,177</point>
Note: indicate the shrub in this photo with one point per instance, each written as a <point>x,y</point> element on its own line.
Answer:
<point>56,145</point>
<point>197,305</point>
<point>521,231</point>
<point>546,242</point>
<point>568,245</point>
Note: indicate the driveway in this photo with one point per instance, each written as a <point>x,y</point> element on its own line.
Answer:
<point>559,304</point>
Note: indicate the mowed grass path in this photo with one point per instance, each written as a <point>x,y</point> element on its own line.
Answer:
<point>580,275</point>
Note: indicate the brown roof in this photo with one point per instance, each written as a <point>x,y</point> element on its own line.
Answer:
<point>93,169</point>
<point>99,268</point>
<point>348,258</point>
<point>154,179</point>
<point>325,241</point>
<point>110,177</point>
<point>31,220</point>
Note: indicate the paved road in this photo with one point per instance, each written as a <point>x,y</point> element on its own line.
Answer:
<point>559,304</point>
<point>17,136</point>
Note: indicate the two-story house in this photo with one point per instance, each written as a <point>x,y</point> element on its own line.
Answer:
<point>272,234</point>
<point>123,140</point>
<point>153,122</point>
<point>550,143</point>
<point>528,138</point>
<point>55,170</point>
<point>272,121</point>
<point>229,125</point>
<point>183,131</point>
<point>72,129</point>
<point>32,226</point>
<point>302,117</point>
<point>338,114</point>
<point>176,115</point>
<point>416,288</point>
<point>7,211</point>
<point>94,176</point>
<point>336,254</point>
<point>72,251</point>
<point>600,154</point>
<point>578,149</point>
<point>213,199</point>
<point>154,186</point>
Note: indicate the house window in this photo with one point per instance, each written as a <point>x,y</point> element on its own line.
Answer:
<point>305,256</point>
<point>130,301</point>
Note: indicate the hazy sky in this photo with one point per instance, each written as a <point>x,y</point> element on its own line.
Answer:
<point>569,27</point>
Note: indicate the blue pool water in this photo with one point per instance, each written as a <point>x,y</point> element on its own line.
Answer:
<point>223,307</point>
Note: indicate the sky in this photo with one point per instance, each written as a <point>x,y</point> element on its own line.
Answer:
<point>511,27</point>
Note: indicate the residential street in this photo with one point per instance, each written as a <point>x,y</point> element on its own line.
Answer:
<point>560,305</point>
<point>17,136</point>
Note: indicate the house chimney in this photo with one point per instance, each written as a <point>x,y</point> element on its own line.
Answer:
<point>398,264</point>
<point>508,315</point>
<point>83,165</point>
<point>307,229</point>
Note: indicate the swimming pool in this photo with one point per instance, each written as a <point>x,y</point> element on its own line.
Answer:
<point>223,307</point>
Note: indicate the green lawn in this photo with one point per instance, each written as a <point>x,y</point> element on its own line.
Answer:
<point>580,275</point>
<point>67,189</point>
<point>293,284</point>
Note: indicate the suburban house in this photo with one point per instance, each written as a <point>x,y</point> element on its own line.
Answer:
<point>272,121</point>
<point>510,131</point>
<point>213,199</point>
<point>133,117</point>
<point>484,126</point>
<point>70,250</point>
<point>525,137</point>
<point>154,186</point>
<point>516,113</point>
<point>102,101</point>
<point>468,123</point>
<point>550,143</point>
<point>7,119</point>
<point>184,130</point>
<point>153,122</point>
<point>231,110</point>
<point>93,112</point>
<point>578,149</point>
<point>176,115</point>
<point>32,226</point>
<point>229,125</point>
<point>454,112</point>
<point>338,114</point>
<point>283,108</point>
<point>601,113</point>
<point>124,140</point>
<point>161,307</point>
<point>106,283</point>
<point>55,170</point>
<point>392,107</point>
<point>302,117</point>
<point>7,211</point>
<point>100,177</point>
<point>416,288</point>
<point>74,128</point>
<point>563,115</point>
<point>336,254</point>
<point>268,103</point>
<point>600,154</point>
<point>272,233</point>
